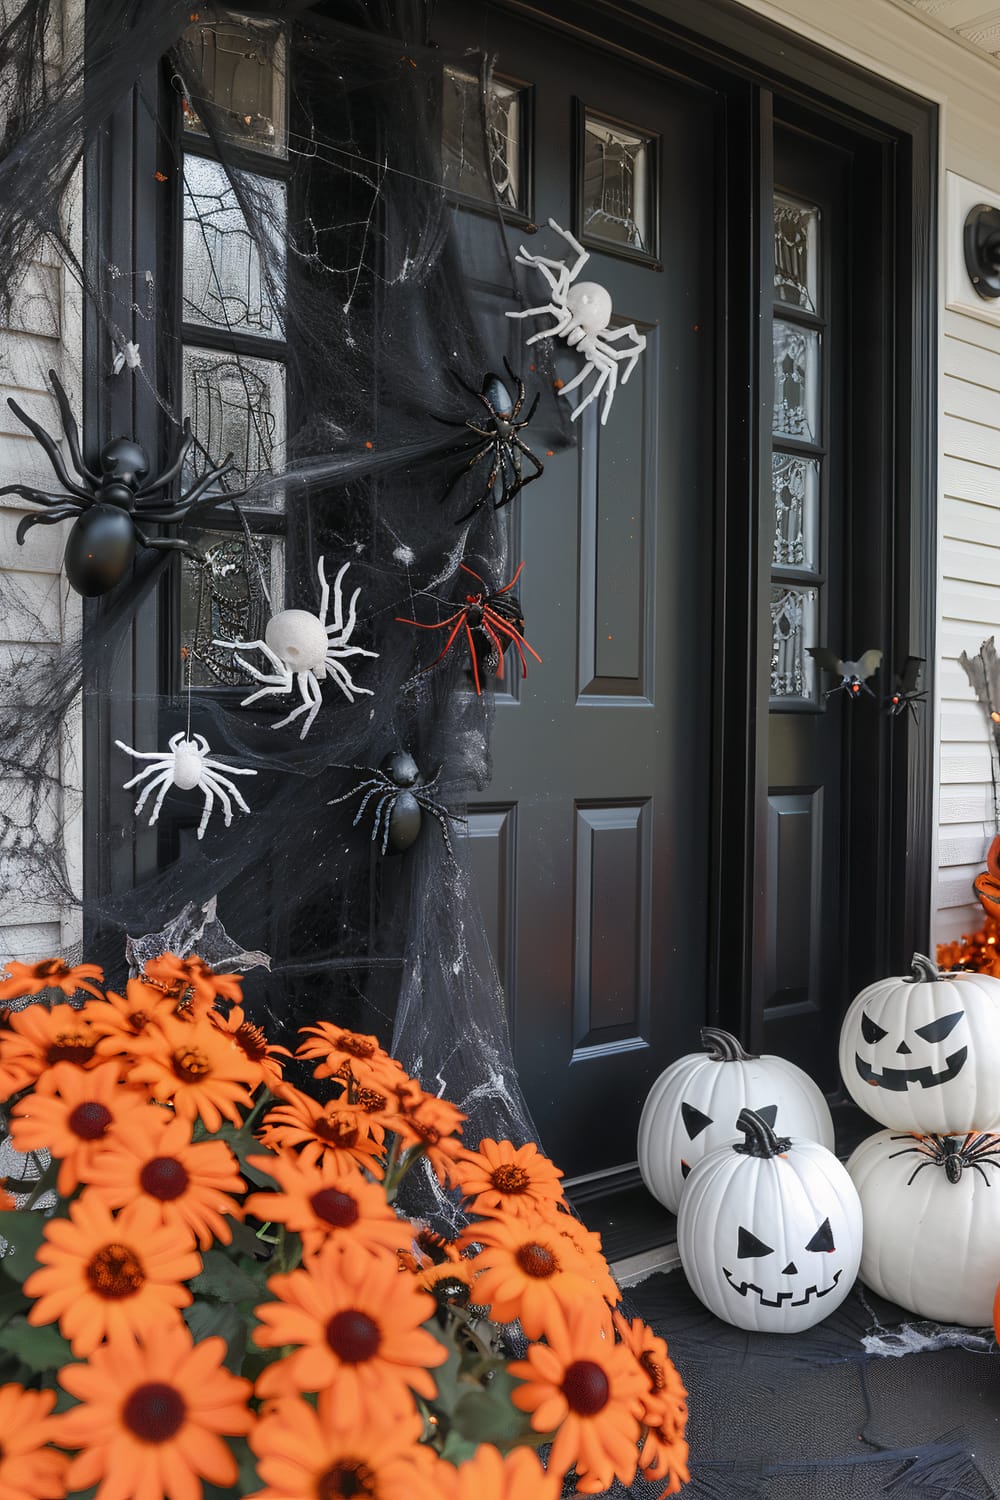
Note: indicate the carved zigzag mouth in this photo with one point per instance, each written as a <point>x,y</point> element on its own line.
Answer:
<point>783,1298</point>
<point>898,1080</point>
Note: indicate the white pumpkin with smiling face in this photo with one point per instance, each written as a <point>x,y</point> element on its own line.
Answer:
<point>921,1052</point>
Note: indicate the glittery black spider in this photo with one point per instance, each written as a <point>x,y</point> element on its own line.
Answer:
<point>498,440</point>
<point>401,799</point>
<point>954,1155</point>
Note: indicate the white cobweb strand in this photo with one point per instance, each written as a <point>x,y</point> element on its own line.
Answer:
<point>194,929</point>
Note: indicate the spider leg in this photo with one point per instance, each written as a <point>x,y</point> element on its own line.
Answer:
<point>71,431</point>
<point>346,796</point>
<point>162,780</point>
<point>439,626</point>
<point>216,765</point>
<point>52,452</point>
<point>383,815</point>
<point>337,628</point>
<point>215,788</point>
<point>162,480</point>
<point>307,706</point>
<point>141,775</point>
<point>508,586</point>
<point>582,255</point>
<point>279,688</point>
<point>495,639</point>
<point>139,754</point>
<point>461,471</point>
<point>442,818</point>
<point>488,489</point>
<point>219,782</point>
<point>921,1167</point>
<point>207,810</point>
<point>169,544</point>
<point>376,788</point>
<point>578,378</point>
<point>46,518</point>
<point>516,637</point>
<point>197,490</point>
<point>531,409</point>
<point>472,655</point>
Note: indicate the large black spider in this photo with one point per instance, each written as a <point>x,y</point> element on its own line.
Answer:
<point>401,800</point>
<point>492,621</point>
<point>953,1154</point>
<point>109,505</point>
<point>905,693</point>
<point>497,440</point>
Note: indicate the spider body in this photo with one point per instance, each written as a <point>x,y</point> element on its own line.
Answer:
<point>303,650</point>
<point>492,622</point>
<point>108,506</point>
<point>582,312</point>
<point>399,799</point>
<point>952,1154</point>
<point>497,439</point>
<point>186,765</point>
<point>906,694</point>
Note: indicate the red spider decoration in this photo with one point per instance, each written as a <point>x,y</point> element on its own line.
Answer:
<point>492,623</point>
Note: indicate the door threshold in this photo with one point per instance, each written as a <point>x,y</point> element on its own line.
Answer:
<point>632,1269</point>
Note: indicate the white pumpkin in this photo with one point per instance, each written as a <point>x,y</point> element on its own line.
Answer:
<point>693,1106</point>
<point>931,1207</point>
<point>921,1051</point>
<point>769,1231</point>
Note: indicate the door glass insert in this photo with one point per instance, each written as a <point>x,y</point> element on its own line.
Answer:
<point>795,486</point>
<point>796,381</point>
<point>469,166</point>
<point>618,184</point>
<point>236,404</point>
<point>796,253</point>
<point>793,628</point>
<point>228,600</point>
<point>225,285</point>
<point>241,66</point>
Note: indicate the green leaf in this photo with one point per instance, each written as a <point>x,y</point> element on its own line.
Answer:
<point>489,1416</point>
<point>242,1146</point>
<point>210,1320</point>
<point>245,1241</point>
<point>225,1279</point>
<point>38,1348</point>
<point>22,1229</point>
<point>457,1449</point>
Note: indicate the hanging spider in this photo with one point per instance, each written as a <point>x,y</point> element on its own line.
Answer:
<point>491,623</point>
<point>954,1155</point>
<point>110,504</point>
<point>497,440</point>
<point>905,694</point>
<point>851,673</point>
<point>401,802</point>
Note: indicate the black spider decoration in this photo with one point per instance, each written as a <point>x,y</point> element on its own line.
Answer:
<point>492,622</point>
<point>953,1154</point>
<point>401,800</point>
<point>905,694</point>
<point>497,440</point>
<point>851,673</point>
<point>109,505</point>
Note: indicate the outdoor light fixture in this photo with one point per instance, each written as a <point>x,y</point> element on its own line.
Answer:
<point>982,249</point>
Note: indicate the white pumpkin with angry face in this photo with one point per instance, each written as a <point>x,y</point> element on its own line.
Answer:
<point>769,1231</point>
<point>921,1052</point>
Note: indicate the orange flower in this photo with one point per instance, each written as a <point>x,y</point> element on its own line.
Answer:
<point>70,1113</point>
<point>299,1454</point>
<point>336,1134</point>
<point>321,1204</point>
<point>103,1277</point>
<point>340,1050</point>
<point>587,1244</point>
<point>196,1068</point>
<point>190,981</point>
<point>252,1042</point>
<point>153,1417</point>
<point>665,1401</point>
<point>525,1271</point>
<point>50,974</point>
<point>449,1282</point>
<point>489,1476</point>
<point>122,1018</point>
<point>29,1469</point>
<point>358,1324</point>
<point>188,1184</point>
<point>590,1391</point>
<point>40,1036</point>
<point>499,1179</point>
<point>664,1458</point>
<point>425,1120</point>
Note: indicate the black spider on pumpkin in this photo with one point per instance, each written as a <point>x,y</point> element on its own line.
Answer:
<point>497,440</point>
<point>108,506</point>
<point>953,1154</point>
<point>401,799</point>
<point>492,621</point>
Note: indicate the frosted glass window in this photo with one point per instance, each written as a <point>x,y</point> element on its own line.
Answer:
<point>796,381</point>
<point>796,253</point>
<point>470,164</point>
<point>795,488</point>
<point>793,625</point>
<point>618,185</point>
<point>225,285</point>
<point>229,600</point>
<point>236,404</point>
<point>241,65</point>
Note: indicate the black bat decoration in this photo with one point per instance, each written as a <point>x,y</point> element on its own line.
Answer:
<point>905,694</point>
<point>852,674</point>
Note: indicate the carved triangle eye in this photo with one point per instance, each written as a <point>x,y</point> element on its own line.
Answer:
<point>937,1030</point>
<point>767,1112</point>
<point>871,1030</point>
<point>694,1121</point>
<point>685,1169</point>
<point>749,1245</point>
<point>823,1238</point>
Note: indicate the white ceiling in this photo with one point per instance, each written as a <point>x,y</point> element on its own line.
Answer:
<point>976,21</point>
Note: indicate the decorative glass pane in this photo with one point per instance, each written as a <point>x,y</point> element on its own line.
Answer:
<point>230,600</point>
<point>471,165</point>
<point>236,404</point>
<point>796,253</point>
<point>793,622</point>
<point>225,285</point>
<point>795,484</point>
<point>240,64</point>
<point>618,185</point>
<point>796,382</point>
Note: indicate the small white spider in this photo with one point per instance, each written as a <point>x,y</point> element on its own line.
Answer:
<point>303,648</point>
<point>582,310</point>
<point>185,765</point>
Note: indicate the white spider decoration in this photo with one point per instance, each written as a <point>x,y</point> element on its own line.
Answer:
<point>582,310</point>
<point>302,648</point>
<point>185,764</point>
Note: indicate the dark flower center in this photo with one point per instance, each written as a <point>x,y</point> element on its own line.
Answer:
<point>154,1412</point>
<point>369,1099</point>
<point>353,1336</point>
<point>164,1177</point>
<point>510,1178</point>
<point>356,1046</point>
<point>90,1121</point>
<point>334,1207</point>
<point>586,1387</point>
<point>191,1062</point>
<point>116,1271</point>
<point>70,1046</point>
<point>345,1480</point>
<point>337,1131</point>
<point>428,1133</point>
<point>653,1368</point>
<point>536,1260</point>
<point>138,1021</point>
<point>52,968</point>
<point>251,1041</point>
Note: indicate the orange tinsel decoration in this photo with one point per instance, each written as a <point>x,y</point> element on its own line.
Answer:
<point>978,950</point>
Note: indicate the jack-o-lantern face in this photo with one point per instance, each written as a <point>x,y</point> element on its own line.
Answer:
<point>695,1123</point>
<point>922,1052</point>
<point>806,1281</point>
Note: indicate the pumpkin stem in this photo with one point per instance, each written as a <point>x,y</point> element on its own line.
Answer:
<point>923,969</point>
<point>722,1046</point>
<point>760,1139</point>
